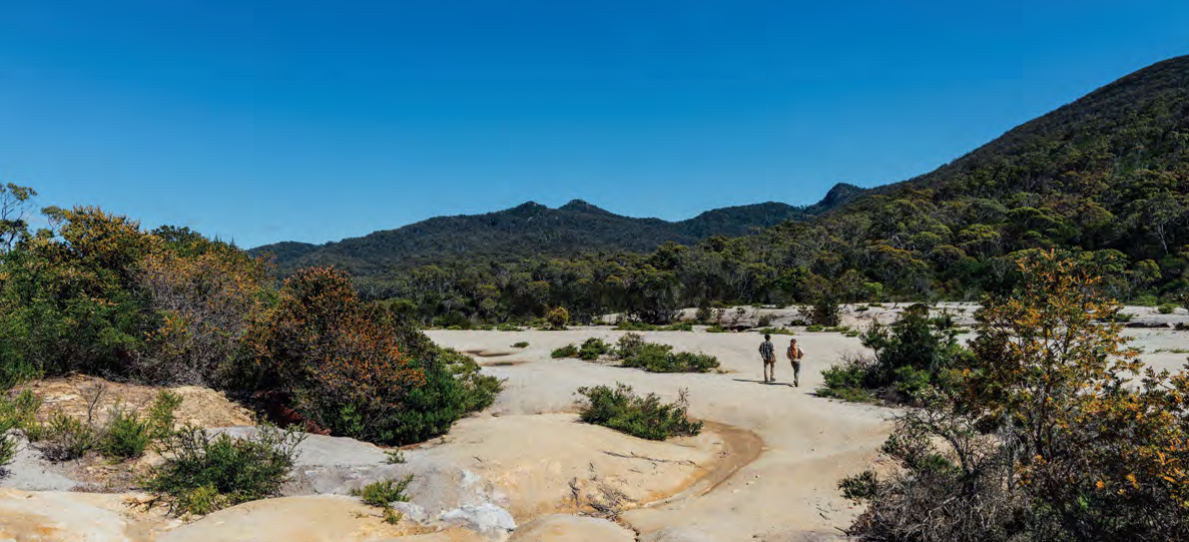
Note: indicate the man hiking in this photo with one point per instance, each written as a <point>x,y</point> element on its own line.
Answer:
<point>795,354</point>
<point>768,353</point>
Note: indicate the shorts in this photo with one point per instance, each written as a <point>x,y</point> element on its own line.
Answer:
<point>770,362</point>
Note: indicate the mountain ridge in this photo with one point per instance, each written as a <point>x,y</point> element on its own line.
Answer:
<point>535,229</point>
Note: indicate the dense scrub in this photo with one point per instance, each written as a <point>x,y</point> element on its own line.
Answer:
<point>1051,432</point>
<point>93,293</point>
<point>646,417</point>
<point>914,353</point>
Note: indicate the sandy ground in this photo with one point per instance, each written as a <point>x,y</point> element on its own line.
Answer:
<point>809,443</point>
<point>787,491</point>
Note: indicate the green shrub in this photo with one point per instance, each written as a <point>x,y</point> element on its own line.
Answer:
<point>593,348</point>
<point>203,473</point>
<point>814,328</point>
<point>1167,308</point>
<point>161,418</point>
<point>126,435</point>
<point>679,326</point>
<point>825,312</point>
<point>645,417</point>
<point>629,345</point>
<point>394,457</point>
<point>716,328</point>
<point>567,351</point>
<point>659,358</point>
<point>774,331</point>
<point>848,381</point>
<point>508,327</point>
<point>521,344</point>
<point>64,438</point>
<point>1147,300</point>
<point>558,318</point>
<point>384,492</point>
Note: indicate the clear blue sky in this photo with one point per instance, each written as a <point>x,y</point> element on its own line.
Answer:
<point>316,120</point>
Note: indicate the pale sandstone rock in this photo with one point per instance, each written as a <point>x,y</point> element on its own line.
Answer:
<point>564,528</point>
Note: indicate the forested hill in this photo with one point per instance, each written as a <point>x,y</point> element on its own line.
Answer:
<point>1106,177</point>
<point>533,230</point>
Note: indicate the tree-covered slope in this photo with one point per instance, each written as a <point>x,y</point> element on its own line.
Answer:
<point>529,230</point>
<point>1106,176</point>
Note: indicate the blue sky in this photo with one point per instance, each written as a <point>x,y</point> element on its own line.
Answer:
<point>314,120</point>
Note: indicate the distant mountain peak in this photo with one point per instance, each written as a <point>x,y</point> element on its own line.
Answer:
<point>577,205</point>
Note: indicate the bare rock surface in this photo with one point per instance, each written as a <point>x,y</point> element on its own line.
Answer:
<point>324,518</point>
<point>77,517</point>
<point>567,528</point>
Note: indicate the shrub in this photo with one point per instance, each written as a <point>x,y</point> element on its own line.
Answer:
<point>1167,308</point>
<point>815,328</point>
<point>125,436</point>
<point>63,438</point>
<point>508,327</point>
<point>1052,432</point>
<point>593,348</point>
<point>679,326</point>
<point>774,331</point>
<point>354,369</point>
<point>633,351</point>
<point>716,328</point>
<point>394,457</point>
<point>521,344</point>
<point>558,318</point>
<point>203,473</point>
<point>645,417</point>
<point>384,492</point>
<point>567,351</point>
<point>825,312</point>
<point>629,345</point>
<point>848,381</point>
<point>161,418</point>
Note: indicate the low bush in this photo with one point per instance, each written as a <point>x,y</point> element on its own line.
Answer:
<point>679,326</point>
<point>774,331</point>
<point>126,435</point>
<point>633,351</point>
<point>848,381</point>
<point>384,492</point>
<point>716,328</point>
<point>593,349</point>
<point>64,438</point>
<point>1167,308</point>
<point>203,473</point>
<point>558,318</point>
<point>521,344</point>
<point>814,328</point>
<point>645,417</point>
<point>567,351</point>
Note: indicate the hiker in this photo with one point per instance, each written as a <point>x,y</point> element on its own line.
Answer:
<point>768,353</point>
<point>795,354</point>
